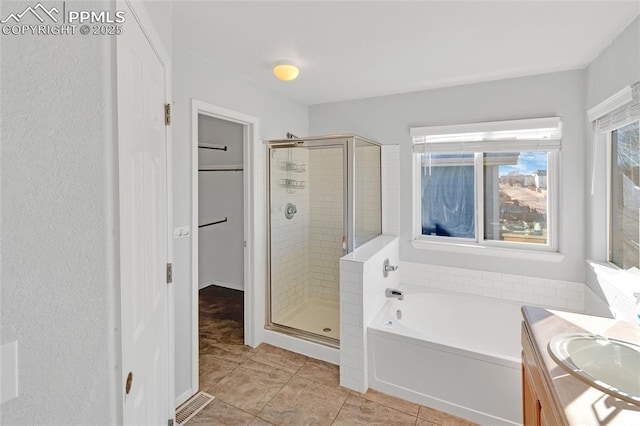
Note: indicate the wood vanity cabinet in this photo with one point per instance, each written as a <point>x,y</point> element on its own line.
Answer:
<point>553,397</point>
<point>537,404</point>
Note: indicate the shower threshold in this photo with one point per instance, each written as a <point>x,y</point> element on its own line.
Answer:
<point>313,317</point>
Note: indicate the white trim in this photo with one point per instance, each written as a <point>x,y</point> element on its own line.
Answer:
<point>252,213</point>
<point>487,145</point>
<point>441,243</point>
<point>489,126</point>
<point>613,102</point>
<point>147,27</point>
<point>184,397</point>
<point>482,250</point>
<point>607,189</point>
<point>304,347</point>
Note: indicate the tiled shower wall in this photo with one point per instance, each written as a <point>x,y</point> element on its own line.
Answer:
<point>390,190</point>
<point>325,189</point>
<point>289,237</point>
<point>368,214</point>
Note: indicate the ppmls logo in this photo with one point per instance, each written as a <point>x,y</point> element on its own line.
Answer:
<point>43,11</point>
<point>43,20</point>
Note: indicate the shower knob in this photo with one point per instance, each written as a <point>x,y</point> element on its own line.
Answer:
<point>290,210</point>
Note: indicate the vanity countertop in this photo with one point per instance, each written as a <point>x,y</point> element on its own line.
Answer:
<point>580,403</point>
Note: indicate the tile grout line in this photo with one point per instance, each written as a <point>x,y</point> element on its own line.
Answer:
<point>341,407</point>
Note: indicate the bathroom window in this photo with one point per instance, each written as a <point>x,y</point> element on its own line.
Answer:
<point>616,125</point>
<point>624,229</point>
<point>489,184</point>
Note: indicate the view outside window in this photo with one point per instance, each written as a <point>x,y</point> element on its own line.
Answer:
<point>515,197</point>
<point>448,201</point>
<point>625,195</point>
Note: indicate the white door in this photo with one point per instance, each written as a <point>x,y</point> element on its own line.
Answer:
<point>143,227</point>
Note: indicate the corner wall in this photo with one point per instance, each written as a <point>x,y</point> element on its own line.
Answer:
<point>387,119</point>
<point>196,78</point>
<point>59,211</point>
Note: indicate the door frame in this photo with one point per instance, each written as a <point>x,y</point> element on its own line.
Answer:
<point>141,15</point>
<point>250,143</point>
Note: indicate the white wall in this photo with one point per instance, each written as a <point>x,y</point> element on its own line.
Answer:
<point>195,77</point>
<point>221,195</point>
<point>59,210</point>
<point>616,67</point>
<point>387,119</point>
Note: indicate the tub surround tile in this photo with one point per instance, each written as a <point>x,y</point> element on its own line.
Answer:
<point>515,288</point>
<point>360,411</point>
<point>302,401</point>
<point>390,401</point>
<point>441,418</point>
<point>220,413</point>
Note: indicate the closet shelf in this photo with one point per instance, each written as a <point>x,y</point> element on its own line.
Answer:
<point>214,222</point>
<point>230,168</point>
<point>216,146</point>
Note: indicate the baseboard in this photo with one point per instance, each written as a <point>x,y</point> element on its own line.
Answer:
<point>310,349</point>
<point>184,397</point>
<point>232,286</point>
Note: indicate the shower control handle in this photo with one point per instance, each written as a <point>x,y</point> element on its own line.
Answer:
<point>388,268</point>
<point>290,210</point>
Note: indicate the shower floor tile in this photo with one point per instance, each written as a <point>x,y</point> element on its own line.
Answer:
<point>315,315</point>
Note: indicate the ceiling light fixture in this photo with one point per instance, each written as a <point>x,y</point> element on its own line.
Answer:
<point>286,72</point>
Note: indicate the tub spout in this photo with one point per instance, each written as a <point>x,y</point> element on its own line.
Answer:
<point>396,294</point>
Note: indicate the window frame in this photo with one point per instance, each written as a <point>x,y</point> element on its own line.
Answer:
<point>609,189</point>
<point>479,244</point>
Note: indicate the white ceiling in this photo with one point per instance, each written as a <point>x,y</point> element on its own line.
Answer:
<point>350,50</point>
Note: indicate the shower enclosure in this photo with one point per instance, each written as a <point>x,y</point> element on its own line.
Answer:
<point>324,198</point>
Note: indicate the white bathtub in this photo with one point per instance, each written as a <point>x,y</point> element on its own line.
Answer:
<point>454,352</point>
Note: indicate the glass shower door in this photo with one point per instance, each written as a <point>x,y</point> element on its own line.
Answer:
<point>307,200</point>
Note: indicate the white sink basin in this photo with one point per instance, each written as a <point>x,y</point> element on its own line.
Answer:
<point>608,364</point>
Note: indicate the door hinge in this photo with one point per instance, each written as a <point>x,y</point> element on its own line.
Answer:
<point>167,114</point>
<point>169,273</point>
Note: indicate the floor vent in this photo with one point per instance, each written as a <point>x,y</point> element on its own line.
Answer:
<point>193,406</point>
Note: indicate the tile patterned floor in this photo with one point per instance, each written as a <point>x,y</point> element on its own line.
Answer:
<point>272,386</point>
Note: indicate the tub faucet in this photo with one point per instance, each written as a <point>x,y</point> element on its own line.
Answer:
<point>392,292</point>
<point>386,268</point>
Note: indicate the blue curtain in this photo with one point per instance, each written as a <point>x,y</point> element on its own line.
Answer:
<point>448,201</point>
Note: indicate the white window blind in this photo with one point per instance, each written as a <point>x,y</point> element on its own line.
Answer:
<point>537,134</point>
<point>617,111</point>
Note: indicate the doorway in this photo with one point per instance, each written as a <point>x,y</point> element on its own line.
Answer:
<point>222,244</point>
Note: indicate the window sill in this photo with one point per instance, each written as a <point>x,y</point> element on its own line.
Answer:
<point>545,256</point>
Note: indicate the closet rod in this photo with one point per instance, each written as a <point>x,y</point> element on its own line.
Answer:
<point>212,146</point>
<point>214,223</point>
<point>222,170</point>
